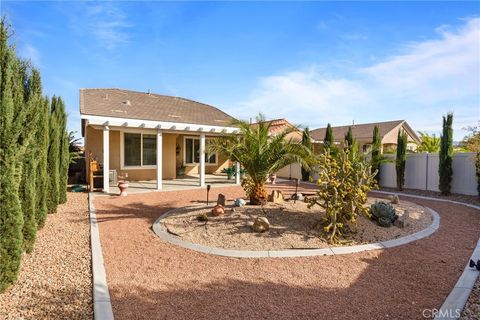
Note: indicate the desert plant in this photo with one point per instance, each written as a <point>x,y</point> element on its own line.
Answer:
<point>343,184</point>
<point>430,143</point>
<point>445,169</point>
<point>384,213</point>
<point>260,153</point>
<point>307,142</point>
<point>401,159</point>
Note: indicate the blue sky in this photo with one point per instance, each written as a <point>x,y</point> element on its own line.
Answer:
<point>310,62</point>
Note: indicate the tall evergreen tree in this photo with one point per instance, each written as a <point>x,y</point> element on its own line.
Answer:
<point>307,142</point>
<point>64,153</point>
<point>42,181</point>
<point>349,138</point>
<point>445,169</point>
<point>401,159</point>
<point>328,140</point>
<point>53,167</point>
<point>376,152</point>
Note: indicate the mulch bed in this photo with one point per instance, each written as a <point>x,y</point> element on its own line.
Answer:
<point>55,280</point>
<point>149,278</point>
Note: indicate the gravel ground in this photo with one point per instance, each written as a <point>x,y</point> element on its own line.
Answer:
<point>455,197</point>
<point>149,278</point>
<point>472,308</point>
<point>292,226</point>
<point>55,281</point>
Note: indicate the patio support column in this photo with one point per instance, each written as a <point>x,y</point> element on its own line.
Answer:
<point>237,173</point>
<point>202,160</point>
<point>106,159</point>
<point>159,159</point>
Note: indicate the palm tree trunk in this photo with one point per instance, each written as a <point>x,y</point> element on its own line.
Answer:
<point>259,194</point>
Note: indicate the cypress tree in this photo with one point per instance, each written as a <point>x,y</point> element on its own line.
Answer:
<point>307,142</point>
<point>401,158</point>
<point>445,169</point>
<point>42,181</point>
<point>64,153</point>
<point>328,140</point>
<point>349,138</point>
<point>53,167</point>
<point>376,152</point>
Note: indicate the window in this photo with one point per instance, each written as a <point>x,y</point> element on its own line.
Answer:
<point>139,149</point>
<point>192,152</point>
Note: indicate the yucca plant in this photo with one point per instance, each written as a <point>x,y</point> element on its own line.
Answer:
<point>260,153</point>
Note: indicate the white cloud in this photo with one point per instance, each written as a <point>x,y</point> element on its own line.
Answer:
<point>427,79</point>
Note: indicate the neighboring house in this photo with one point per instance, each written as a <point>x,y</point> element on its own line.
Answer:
<point>279,125</point>
<point>363,133</point>
<point>142,132</point>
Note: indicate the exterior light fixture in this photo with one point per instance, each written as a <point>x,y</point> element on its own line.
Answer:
<point>473,264</point>
<point>208,190</point>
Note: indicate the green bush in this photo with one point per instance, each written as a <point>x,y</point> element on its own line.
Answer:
<point>401,159</point>
<point>445,169</point>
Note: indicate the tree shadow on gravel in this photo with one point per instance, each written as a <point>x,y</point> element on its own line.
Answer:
<point>133,210</point>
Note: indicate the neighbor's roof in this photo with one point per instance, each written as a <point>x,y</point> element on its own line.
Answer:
<point>362,131</point>
<point>280,125</point>
<point>119,103</point>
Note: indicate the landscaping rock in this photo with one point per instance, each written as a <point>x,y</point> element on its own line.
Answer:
<point>402,221</point>
<point>395,199</point>
<point>297,196</point>
<point>218,210</point>
<point>221,199</point>
<point>276,197</point>
<point>239,202</point>
<point>261,224</point>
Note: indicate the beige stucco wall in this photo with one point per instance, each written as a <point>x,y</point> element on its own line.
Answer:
<point>94,144</point>
<point>222,161</point>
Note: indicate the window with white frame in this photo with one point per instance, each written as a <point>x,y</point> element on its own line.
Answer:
<point>139,149</point>
<point>192,152</point>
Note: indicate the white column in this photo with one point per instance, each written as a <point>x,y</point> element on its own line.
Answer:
<point>237,172</point>
<point>106,159</point>
<point>202,159</point>
<point>159,159</point>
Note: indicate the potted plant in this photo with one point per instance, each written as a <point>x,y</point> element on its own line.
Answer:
<point>123,184</point>
<point>181,170</point>
<point>273,178</point>
<point>230,172</point>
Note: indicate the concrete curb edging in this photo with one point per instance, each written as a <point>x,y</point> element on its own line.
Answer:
<point>458,297</point>
<point>164,235</point>
<point>102,306</point>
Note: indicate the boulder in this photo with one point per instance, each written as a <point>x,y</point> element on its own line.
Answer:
<point>402,221</point>
<point>239,202</point>
<point>221,199</point>
<point>218,210</point>
<point>261,224</point>
<point>297,196</point>
<point>394,199</point>
<point>276,196</point>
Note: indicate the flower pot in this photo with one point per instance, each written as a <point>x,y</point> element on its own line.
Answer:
<point>123,186</point>
<point>273,178</point>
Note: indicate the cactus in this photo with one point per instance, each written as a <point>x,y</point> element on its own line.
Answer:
<point>383,213</point>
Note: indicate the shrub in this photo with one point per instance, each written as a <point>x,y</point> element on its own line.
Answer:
<point>328,140</point>
<point>445,169</point>
<point>376,152</point>
<point>384,213</point>
<point>401,159</point>
<point>307,143</point>
<point>344,181</point>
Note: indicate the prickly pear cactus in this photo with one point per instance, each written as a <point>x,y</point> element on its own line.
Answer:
<point>383,213</point>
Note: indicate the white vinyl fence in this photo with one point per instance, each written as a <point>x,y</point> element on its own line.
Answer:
<point>421,172</point>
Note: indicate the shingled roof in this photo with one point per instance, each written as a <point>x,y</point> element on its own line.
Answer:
<point>360,131</point>
<point>280,125</point>
<point>120,103</point>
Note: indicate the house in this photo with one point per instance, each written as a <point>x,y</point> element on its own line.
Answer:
<point>149,136</point>
<point>363,133</point>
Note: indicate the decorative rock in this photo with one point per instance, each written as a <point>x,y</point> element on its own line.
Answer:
<point>402,221</point>
<point>218,210</point>
<point>395,200</point>
<point>261,224</point>
<point>297,196</point>
<point>276,196</point>
<point>239,202</point>
<point>221,199</point>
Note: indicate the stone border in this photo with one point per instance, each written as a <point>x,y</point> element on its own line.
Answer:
<point>102,306</point>
<point>164,235</point>
<point>458,297</point>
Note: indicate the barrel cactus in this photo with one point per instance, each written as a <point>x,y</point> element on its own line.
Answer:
<point>383,213</point>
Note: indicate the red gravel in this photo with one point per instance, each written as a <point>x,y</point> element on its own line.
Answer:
<point>149,278</point>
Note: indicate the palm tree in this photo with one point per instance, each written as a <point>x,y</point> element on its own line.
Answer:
<point>260,153</point>
<point>429,143</point>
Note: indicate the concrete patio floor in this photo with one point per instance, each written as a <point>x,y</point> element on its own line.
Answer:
<point>185,183</point>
